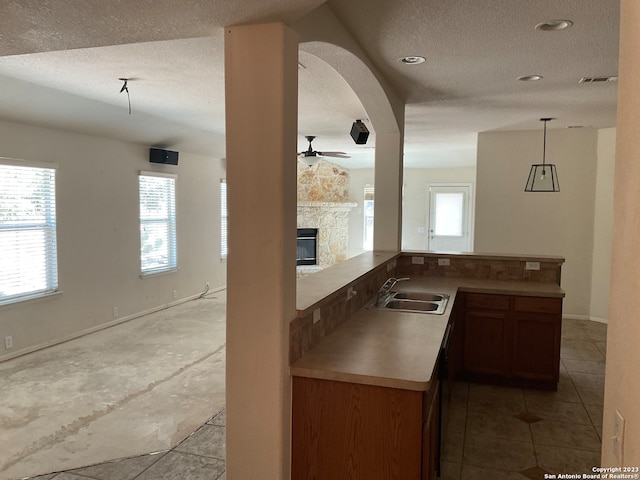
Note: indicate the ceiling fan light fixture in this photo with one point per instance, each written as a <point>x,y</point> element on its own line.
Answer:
<point>543,177</point>
<point>554,25</point>
<point>310,161</point>
<point>412,60</point>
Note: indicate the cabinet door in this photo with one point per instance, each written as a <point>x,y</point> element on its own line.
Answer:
<point>342,430</point>
<point>486,343</point>
<point>536,346</point>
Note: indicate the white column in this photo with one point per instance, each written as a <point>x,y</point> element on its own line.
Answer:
<point>387,233</point>
<point>622,387</point>
<point>262,109</point>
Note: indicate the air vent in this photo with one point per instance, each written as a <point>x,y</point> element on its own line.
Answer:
<point>598,79</point>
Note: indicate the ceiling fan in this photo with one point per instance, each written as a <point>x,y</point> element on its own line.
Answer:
<point>311,156</point>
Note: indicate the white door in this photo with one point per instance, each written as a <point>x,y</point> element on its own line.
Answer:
<point>449,218</point>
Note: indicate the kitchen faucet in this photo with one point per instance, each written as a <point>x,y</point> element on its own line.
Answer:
<point>386,287</point>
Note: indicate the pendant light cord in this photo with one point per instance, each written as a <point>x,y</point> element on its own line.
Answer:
<point>544,145</point>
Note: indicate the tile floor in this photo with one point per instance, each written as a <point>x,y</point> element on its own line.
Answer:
<point>489,432</point>
<point>497,433</point>
<point>201,456</point>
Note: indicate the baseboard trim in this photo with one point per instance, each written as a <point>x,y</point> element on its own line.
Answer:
<point>104,326</point>
<point>585,317</point>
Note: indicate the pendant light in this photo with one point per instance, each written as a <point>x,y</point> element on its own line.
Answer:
<point>543,177</point>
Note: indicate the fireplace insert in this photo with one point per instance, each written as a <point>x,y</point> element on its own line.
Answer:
<point>307,246</point>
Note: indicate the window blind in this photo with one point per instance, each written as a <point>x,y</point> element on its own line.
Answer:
<point>158,252</point>
<point>223,219</point>
<point>28,248</point>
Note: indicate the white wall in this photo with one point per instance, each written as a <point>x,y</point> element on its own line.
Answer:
<point>415,205</point>
<point>359,177</point>
<point>508,220</point>
<point>98,234</point>
<point>603,226</point>
<point>415,213</point>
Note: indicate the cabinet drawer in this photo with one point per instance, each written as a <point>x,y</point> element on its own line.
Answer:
<point>537,304</point>
<point>487,302</point>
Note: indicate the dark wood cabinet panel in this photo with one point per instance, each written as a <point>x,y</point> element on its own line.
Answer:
<point>487,343</point>
<point>431,435</point>
<point>346,430</point>
<point>517,345</point>
<point>537,305</point>
<point>481,301</point>
<point>536,346</point>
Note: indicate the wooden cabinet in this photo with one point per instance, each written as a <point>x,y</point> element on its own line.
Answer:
<point>512,339</point>
<point>346,430</point>
<point>431,433</point>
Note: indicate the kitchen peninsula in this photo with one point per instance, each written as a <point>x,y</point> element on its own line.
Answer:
<point>367,381</point>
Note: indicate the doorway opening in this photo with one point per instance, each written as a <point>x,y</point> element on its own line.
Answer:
<point>450,218</point>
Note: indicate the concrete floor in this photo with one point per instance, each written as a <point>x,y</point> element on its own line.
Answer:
<point>137,388</point>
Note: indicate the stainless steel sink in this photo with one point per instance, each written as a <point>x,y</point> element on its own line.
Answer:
<point>416,302</point>
<point>426,297</point>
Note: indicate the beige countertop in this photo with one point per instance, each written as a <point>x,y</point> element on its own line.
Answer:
<point>399,349</point>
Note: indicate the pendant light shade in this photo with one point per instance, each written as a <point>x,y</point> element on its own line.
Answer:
<point>543,177</point>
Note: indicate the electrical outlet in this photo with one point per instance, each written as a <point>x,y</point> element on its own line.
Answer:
<point>532,266</point>
<point>316,316</point>
<point>444,262</point>
<point>8,342</point>
<point>175,294</point>
<point>618,437</point>
<point>115,312</point>
<point>389,266</point>
<point>417,260</point>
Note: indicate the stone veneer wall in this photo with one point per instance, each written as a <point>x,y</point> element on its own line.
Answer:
<point>323,182</point>
<point>323,203</point>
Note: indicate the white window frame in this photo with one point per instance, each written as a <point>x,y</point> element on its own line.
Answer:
<point>369,200</point>
<point>28,261</point>
<point>167,217</point>
<point>224,226</point>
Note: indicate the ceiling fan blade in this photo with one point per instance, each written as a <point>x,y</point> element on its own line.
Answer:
<point>335,154</point>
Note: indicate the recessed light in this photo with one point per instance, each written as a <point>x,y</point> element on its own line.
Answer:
<point>412,60</point>
<point>553,25</point>
<point>530,78</point>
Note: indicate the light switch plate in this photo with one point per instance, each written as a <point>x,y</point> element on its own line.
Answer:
<point>316,316</point>
<point>417,260</point>
<point>532,266</point>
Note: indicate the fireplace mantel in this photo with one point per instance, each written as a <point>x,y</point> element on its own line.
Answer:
<point>337,205</point>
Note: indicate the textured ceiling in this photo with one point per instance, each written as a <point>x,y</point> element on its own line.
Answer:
<point>60,61</point>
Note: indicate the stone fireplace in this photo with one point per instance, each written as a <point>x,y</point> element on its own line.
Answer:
<point>323,203</point>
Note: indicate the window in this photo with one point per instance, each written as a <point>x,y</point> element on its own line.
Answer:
<point>223,219</point>
<point>157,223</point>
<point>368,217</point>
<point>28,249</point>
